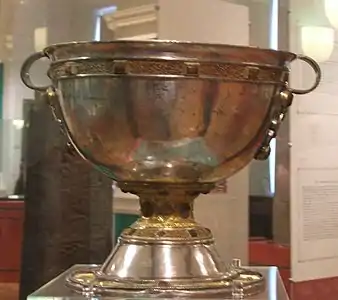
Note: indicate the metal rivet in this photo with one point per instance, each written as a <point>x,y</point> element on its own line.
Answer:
<point>286,98</point>
<point>71,69</point>
<point>251,73</point>
<point>192,69</point>
<point>120,67</point>
<point>271,133</point>
<point>263,153</point>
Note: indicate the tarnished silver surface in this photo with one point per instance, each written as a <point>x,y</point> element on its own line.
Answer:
<point>167,111</point>
<point>167,120</point>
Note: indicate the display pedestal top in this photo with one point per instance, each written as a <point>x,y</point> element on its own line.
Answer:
<point>57,290</point>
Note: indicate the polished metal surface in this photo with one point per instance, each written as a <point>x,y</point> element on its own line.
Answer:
<point>236,281</point>
<point>167,120</point>
<point>56,289</point>
<point>165,261</point>
<point>167,111</point>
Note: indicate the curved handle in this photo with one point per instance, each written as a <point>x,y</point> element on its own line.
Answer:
<point>25,71</point>
<point>314,65</point>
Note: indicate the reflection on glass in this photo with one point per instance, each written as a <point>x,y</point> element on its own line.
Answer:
<point>12,163</point>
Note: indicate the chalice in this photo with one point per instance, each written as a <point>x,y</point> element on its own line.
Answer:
<point>167,120</point>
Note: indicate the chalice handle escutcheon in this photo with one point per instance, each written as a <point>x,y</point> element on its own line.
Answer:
<point>285,97</point>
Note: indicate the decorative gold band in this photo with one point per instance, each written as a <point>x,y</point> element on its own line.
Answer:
<point>169,68</point>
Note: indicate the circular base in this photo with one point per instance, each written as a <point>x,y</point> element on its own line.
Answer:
<point>237,282</point>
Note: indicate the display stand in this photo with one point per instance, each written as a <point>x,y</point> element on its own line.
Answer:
<point>57,289</point>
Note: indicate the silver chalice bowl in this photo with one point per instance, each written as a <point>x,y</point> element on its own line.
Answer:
<point>167,120</point>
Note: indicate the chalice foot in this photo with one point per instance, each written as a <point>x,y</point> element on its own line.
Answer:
<point>167,253</point>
